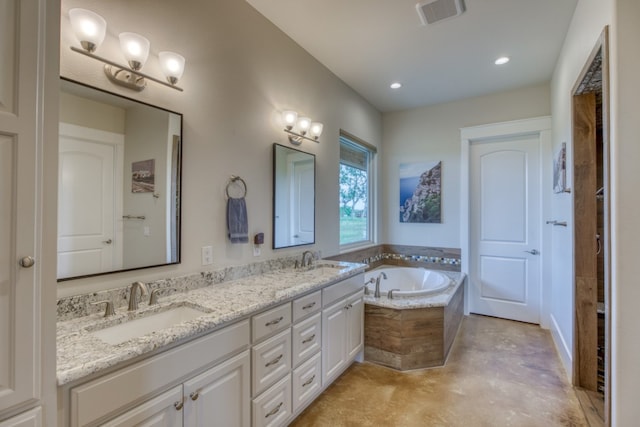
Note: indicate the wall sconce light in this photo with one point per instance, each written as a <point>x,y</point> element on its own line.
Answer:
<point>303,125</point>
<point>90,29</point>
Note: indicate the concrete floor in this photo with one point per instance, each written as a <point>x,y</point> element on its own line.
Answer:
<point>499,373</point>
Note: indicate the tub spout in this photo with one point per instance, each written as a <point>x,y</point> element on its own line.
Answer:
<point>382,275</point>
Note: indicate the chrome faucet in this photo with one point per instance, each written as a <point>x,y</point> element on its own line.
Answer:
<point>376,293</point>
<point>133,295</point>
<point>304,264</point>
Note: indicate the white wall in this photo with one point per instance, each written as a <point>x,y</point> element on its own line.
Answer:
<point>589,20</point>
<point>240,72</point>
<point>433,134</point>
<point>625,205</point>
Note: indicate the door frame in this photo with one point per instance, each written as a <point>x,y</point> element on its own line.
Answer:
<point>540,126</point>
<point>583,336</point>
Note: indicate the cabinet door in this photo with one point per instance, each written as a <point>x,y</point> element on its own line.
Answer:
<point>355,318</point>
<point>19,298</point>
<point>334,341</point>
<point>220,396</point>
<point>162,411</point>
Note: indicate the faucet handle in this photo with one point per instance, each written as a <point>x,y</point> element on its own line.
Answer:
<point>153,297</point>
<point>390,293</point>
<point>108,309</point>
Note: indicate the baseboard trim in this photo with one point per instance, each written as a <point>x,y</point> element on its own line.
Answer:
<point>562,348</point>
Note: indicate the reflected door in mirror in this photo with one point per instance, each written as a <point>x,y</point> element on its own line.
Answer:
<point>294,197</point>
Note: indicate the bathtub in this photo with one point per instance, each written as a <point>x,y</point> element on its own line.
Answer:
<point>416,328</point>
<point>409,281</point>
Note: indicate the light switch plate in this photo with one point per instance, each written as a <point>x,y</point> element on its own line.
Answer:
<point>207,255</point>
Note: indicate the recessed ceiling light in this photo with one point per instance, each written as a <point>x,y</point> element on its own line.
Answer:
<point>395,85</point>
<point>502,60</point>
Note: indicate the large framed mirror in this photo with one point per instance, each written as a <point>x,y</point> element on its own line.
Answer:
<point>294,183</point>
<point>119,171</point>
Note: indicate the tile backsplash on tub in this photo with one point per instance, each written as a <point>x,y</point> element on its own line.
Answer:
<point>410,256</point>
<point>80,305</point>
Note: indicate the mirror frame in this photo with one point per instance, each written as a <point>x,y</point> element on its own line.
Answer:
<point>275,145</point>
<point>178,186</point>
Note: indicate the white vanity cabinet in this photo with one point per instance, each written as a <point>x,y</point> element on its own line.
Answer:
<point>145,390</point>
<point>342,326</point>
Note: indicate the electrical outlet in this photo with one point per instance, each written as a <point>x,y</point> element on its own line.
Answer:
<point>256,250</point>
<point>207,255</point>
<point>147,230</point>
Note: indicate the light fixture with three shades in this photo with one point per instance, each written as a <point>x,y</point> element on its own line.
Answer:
<point>302,125</point>
<point>90,29</point>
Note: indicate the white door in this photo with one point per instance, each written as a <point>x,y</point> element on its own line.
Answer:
<point>89,239</point>
<point>304,201</point>
<point>504,264</point>
<point>334,341</point>
<point>20,204</point>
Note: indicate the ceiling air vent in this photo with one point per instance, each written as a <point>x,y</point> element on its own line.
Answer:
<point>432,11</point>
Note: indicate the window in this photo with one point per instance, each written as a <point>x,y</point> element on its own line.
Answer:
<point>355,191</point>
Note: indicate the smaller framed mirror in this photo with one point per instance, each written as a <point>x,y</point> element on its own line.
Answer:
<point>294,197</point>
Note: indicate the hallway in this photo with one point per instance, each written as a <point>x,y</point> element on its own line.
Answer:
<point>499,373</point>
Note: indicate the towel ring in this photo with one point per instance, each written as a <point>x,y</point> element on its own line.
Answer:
<point>235,179</point>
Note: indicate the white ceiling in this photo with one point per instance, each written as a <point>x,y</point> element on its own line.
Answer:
<point>371,43</point>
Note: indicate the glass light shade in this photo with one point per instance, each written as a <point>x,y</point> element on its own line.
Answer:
<point>88,27</point>
<point>303,124</point>
<point>172,65</point>
<point>289,117</point>
<point>316,129</point>
<point>135,49</point>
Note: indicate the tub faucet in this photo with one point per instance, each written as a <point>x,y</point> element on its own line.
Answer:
<point>304,264</point>
<point>376,293</point>
<point>133,295</point>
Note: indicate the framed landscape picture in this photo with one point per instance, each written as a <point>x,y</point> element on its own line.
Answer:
<point>143,178</point>
<point>420,192</point>
<point>560,170</point>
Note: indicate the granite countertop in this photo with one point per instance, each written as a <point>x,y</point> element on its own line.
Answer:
<point>79,353</point>
<point>440,299</point>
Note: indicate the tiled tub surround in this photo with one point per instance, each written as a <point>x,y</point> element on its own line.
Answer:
<point>408,256</point>
<point>80,354</point>
<point>414,332</point>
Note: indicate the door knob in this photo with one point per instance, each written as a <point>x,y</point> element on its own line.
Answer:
<point>108,241</point>
<point>27,262</point>
<point>533,252</point>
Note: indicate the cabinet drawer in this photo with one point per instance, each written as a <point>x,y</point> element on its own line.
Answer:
<point>102,396</point>
<point>270,322</point>
<point>306,338</point>
<point>270,360</point>
<point>273,407</point>
<point>341,289</point>
<point>306,381</point>
<point>307,305</point>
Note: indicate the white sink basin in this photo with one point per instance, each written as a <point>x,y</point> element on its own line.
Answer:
<point>138,327</point>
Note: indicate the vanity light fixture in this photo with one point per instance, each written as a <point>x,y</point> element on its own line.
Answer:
<point>303,126</point>
<point>90,29</point>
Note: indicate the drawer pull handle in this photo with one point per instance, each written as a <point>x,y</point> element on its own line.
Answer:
<point>311,338</point>
<point>309,381</point>
<point>274,410</point>
<point>308,306</point>
<point>178,405</point>
<point>274,361</point>
<point>195,395</point>
<point>274,322</point>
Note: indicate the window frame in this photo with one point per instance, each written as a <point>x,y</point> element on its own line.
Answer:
<point>371,206</point>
